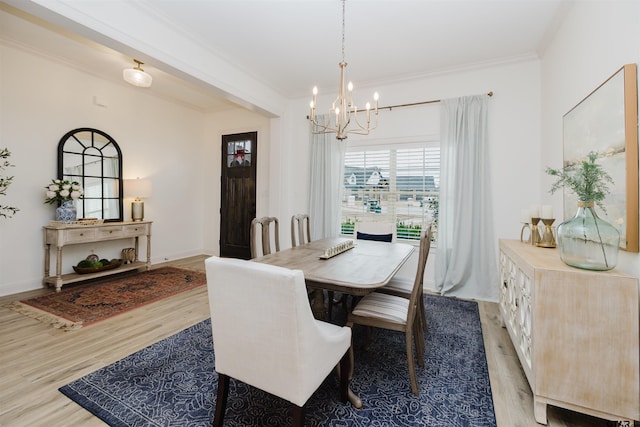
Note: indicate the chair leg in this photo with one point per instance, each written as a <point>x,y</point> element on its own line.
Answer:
<point>297,415</point>
<point>410,362</point>
<point>221,400</point>
<point>345,372</point>
<point>423,314</point>
<point>418,337</point>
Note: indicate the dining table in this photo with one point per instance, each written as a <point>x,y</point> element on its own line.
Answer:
<point>357,268</point>
<point>360,269</point>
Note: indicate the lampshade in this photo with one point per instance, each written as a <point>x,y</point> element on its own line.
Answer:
<point>138,188</point>
<point>137,76</point>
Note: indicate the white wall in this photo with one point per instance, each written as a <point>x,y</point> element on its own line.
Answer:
<point>593,42</point>
<point>40,101</point>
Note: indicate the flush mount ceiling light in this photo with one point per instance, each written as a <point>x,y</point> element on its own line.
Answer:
<point>136,75</point>
<point>343,108</point>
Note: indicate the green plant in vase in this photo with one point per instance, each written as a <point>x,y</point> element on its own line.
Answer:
<point>586,241</point>
<point>5,181</point>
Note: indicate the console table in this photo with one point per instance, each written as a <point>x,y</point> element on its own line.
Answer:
<point>77,234</point>
<point>576,332</point>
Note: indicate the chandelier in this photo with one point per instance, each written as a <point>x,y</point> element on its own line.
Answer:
<point>343,109</point>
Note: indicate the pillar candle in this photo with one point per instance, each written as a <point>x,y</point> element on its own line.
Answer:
<point>547,211</point>
<point>525,217</point>
<point>534,211</point>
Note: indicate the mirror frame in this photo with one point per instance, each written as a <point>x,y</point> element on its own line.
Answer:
<point>82,178</point>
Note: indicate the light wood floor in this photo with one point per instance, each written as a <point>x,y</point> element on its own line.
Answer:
<point>35,360</point>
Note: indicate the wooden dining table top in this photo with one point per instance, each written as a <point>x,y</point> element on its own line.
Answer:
<point>357,271</point>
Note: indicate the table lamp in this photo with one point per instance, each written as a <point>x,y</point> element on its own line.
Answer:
<point>138,189</point>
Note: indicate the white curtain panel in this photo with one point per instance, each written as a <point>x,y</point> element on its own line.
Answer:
<point>466,264</point>
<point>326,187</point>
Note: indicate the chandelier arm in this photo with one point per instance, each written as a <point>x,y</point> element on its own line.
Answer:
<point>368,127</point>
<point>324,127</point>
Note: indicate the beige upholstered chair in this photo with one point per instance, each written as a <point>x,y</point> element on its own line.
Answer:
<point>396,313</point>
<point>300,230</point>
<point>402,287</point>
<point>264,334</point>
<point>373,230</point>
<point>261,231</point>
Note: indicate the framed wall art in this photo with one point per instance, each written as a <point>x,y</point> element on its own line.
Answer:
<point>606,121</point>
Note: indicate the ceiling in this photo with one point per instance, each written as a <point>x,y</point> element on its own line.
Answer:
<point>291,46</point>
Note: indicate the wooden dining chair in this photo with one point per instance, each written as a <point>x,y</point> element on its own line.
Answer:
<point>261,230</point>
<point>301,234</point>
<point>300,230</point>
<point>403,287</point>
<point>379,310</point>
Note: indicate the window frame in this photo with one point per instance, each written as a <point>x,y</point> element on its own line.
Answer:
<point>100,144</point>
<point>407,233</point>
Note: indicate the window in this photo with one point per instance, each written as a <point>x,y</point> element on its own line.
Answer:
<point>393,183</point>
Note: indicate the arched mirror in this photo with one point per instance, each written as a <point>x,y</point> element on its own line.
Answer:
<point>94,159</point>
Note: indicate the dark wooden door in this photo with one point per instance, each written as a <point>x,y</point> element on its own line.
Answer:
<point>238,193</point>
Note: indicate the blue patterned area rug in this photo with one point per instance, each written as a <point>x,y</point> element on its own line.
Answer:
<point>173,382</point>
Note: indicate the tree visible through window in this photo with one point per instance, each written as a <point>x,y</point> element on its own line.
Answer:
<point>394,185</point>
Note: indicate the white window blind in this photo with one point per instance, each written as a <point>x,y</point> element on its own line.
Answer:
<point>392,184</point>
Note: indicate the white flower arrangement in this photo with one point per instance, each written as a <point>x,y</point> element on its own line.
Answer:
<point>62,191</point>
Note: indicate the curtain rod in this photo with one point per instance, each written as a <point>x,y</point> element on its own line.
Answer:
<point>413,104</point>
<point>390,107</point>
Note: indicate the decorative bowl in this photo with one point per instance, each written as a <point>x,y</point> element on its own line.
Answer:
<point>85,270</point>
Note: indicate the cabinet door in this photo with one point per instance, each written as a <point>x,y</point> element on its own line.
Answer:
<point>588,329</point>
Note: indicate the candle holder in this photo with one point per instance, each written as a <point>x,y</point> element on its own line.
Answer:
<point>547,240</point>
<point>525,226</point>
<point>535,234</point>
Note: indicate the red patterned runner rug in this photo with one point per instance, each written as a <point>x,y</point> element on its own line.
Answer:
<point>82,305</point>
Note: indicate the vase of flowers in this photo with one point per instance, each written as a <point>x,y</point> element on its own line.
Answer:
<point>587,241</point>
<point>65,193</point>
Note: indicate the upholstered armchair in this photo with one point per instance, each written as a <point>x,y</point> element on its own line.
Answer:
<point>265,335</point>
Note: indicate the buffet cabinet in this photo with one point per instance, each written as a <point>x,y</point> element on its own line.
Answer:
<point>576,332</point>
<point>60,236</point>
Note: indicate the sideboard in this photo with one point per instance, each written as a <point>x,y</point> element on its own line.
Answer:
<point>61,236</point>
<point>576,332</point>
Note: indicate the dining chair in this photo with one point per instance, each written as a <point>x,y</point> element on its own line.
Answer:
<point>301,234</point>
<point>300,230</point>
<point>374,230</point>
<point>367,230</point>
<point>261,229</point>
<point>403,287</point>
<point>379,310</point>
<point>265,335</point>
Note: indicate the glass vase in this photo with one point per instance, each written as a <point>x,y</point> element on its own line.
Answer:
<point>588,242</point>
<point>66,212</point>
